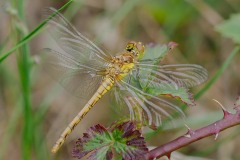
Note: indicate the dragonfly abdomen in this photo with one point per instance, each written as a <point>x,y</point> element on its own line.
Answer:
<point>105,86</point>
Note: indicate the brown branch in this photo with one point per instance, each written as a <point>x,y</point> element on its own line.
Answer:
<point>229,120</point>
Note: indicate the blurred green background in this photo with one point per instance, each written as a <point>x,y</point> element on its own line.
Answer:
<point>34,109</point>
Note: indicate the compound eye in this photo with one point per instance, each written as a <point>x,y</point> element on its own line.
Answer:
<point>129,47</point>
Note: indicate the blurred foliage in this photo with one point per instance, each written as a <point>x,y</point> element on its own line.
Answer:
<point>26,95</point>
<point>231,28</point>
<point>168,14</point>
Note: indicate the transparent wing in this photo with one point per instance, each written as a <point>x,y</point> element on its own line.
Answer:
<point>77,67</point>
<point>80,79</point>
<point>184,75</point>
<point>73,42</point>
<point>154,108</point>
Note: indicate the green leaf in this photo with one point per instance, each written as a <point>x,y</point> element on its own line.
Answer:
<point>99,142</point>
<point>128,141</point>
<point>156,52</point>
<point>168,89</point>
<point>231,28</point>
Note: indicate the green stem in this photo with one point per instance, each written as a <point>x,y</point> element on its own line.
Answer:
<point>30,35</point>
<point>24,70</point>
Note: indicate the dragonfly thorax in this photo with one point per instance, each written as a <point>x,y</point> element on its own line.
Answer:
<point>121,65</point>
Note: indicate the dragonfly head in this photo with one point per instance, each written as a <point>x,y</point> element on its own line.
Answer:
<point>135,48</point>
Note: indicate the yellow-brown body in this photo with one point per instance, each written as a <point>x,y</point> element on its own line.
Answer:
<point>119,67</point>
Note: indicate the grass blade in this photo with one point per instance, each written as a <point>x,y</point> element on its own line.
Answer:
<point>30,35</point>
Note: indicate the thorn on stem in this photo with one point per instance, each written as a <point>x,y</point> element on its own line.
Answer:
<point>225,112</point>
<point>216,136</point>
<point>217,131</point>
<point>189,132</point>
<point>169,155</point>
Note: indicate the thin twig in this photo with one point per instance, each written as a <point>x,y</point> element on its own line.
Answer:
<point>228,120</point>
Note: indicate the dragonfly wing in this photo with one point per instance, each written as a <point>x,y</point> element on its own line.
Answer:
<point>179,75</point>
<point>73,42</point>
<point>80,79</point>
<point>154,108</point>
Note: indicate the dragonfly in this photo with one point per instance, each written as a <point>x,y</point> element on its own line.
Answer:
<point>87,71</point>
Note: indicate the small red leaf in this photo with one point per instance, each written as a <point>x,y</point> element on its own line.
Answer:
<point>98,143</point>
<point>95,134</point>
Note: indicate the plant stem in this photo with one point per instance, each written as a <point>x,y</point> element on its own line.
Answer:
<point>32,34</point>
<point>24,72</point>
<point>229,120</point>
